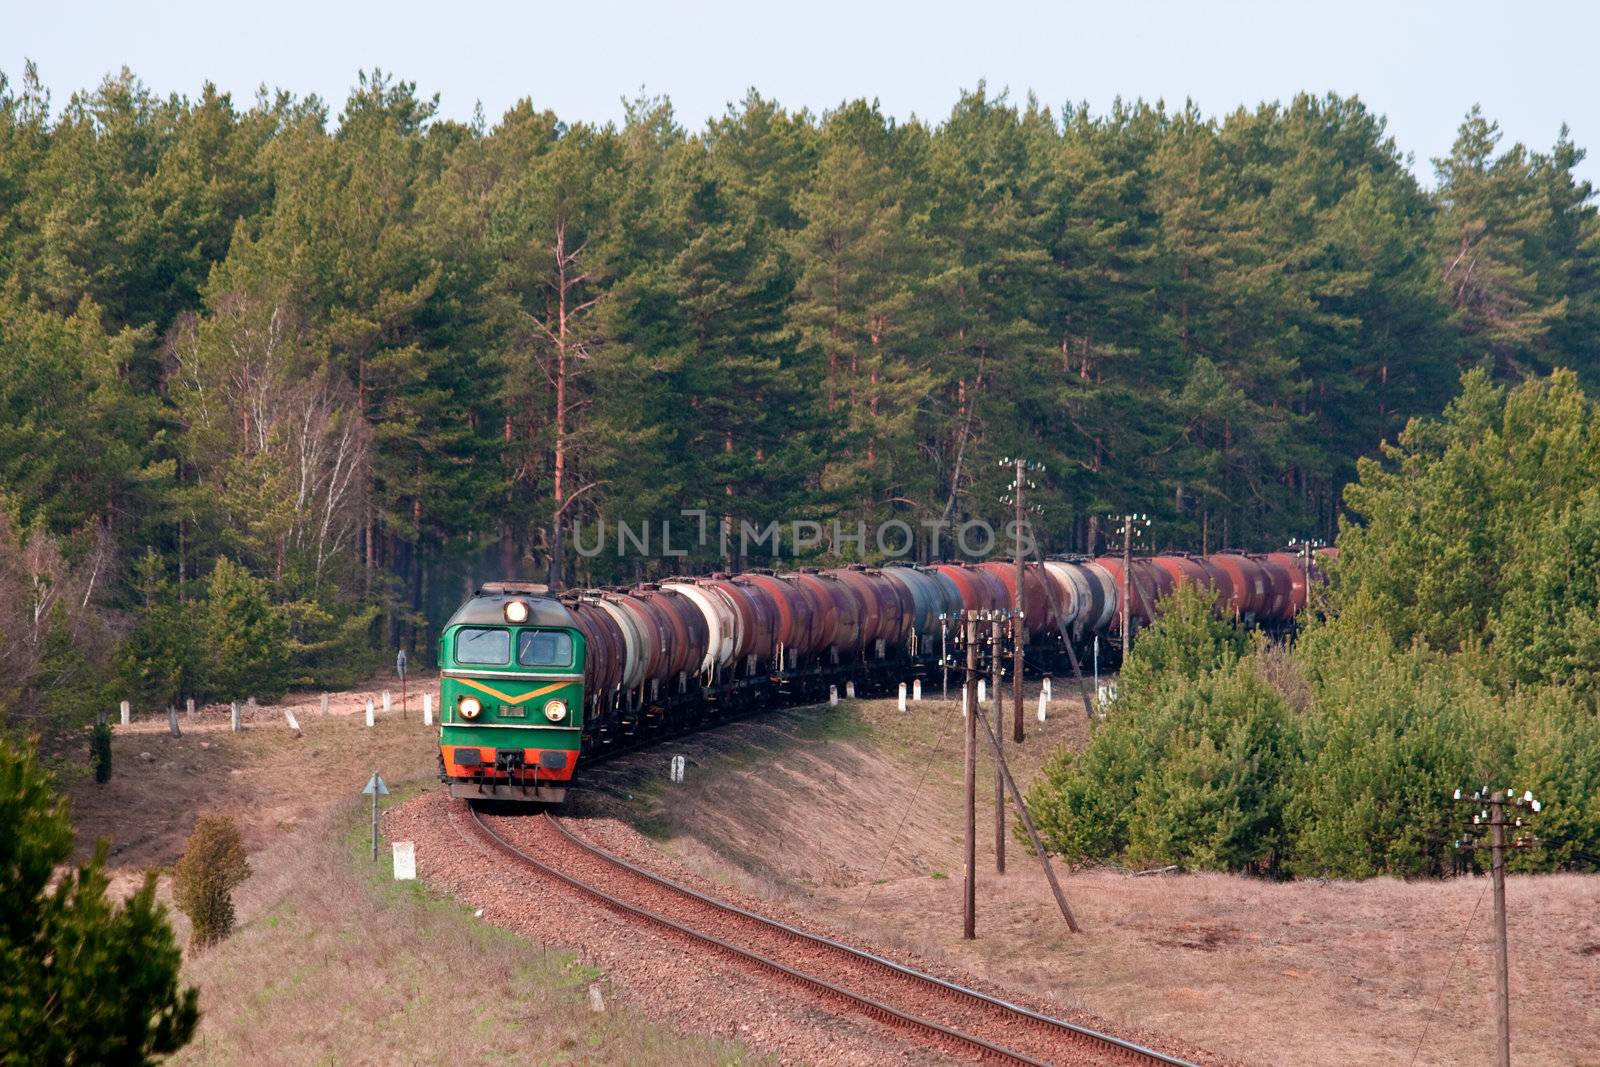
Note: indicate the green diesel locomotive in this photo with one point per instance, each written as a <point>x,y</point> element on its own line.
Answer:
<point>511,722</point>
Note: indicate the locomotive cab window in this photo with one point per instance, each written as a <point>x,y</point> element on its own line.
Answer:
<point>544,648</point>
<point>482,645</point>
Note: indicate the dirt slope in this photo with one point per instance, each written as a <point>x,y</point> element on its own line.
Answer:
<point>853,815</point>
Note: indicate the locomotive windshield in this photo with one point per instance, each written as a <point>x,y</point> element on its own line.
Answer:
<point>483,645</point>
<point>544,648</point>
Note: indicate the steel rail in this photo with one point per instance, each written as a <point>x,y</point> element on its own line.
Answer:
<point>1076,1031</point>
<point>869,1006</point>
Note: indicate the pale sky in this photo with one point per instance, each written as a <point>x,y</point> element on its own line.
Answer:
<point>1420,64</point>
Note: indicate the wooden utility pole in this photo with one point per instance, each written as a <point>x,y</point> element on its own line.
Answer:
<point>1127,579</point>
<point>969,701</point>
<point>944,659</point>
<point>1502,962</point>
<point>1129,522</point>
<point>1495,813</point>
<point>1019,632</point>
<point>996,659</point>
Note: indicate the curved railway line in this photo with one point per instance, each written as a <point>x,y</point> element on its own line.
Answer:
<point>950,1016</point>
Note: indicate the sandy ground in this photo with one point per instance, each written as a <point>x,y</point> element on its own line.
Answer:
<point>853,816</point>
<point>271,781</point>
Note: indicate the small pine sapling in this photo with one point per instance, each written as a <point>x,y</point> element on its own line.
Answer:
<point>213,865</point>
<point>100,752</point>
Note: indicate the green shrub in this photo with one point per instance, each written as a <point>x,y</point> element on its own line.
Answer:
<point>100,752</point>
<point>1082,803</point>
<point>1185,639</point>
<point>1388,738</point>
<point>82,980</point>
<point>330,646</point>
<point>1194,776</point>
<point>1214,799</point>
<point>1189,769</point>
<point>1556,736</point>
<point>212,867</point>
<point>1206,763</point>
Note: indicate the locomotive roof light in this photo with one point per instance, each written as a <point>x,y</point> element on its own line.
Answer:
<point>555,710</point>
<point>469,707</point>
<point>516,611</point>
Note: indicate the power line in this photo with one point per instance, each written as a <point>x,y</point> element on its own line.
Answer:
<point>1445,988</point>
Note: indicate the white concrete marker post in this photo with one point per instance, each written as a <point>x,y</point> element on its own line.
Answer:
<point>916,689</point>
<point>294,723</point>
<point>963,702</point>
<point>678,766</point>
<point>172,719</point>
<point>126,713</point>
<point>369,711</point>
<point>902,696</point>
<point>833,695</point>
<point>405,861</point>
<point>1044,706</point>
<point>1047,696</point>
<point>188,706</point>
<point>427,709</point>
<point>386,704</point>
<point>983,692</point>
<point>324,705</point>
<point>233,713</point>
<point>850,690</point>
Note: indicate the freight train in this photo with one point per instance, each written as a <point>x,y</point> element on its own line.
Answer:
<point>534,684</point>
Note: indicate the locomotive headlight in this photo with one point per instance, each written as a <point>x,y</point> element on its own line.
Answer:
<point>555,711</point>
<point>469,707</point>
<point>517,611</point>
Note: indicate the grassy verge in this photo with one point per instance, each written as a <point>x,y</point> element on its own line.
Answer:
<point>349,966</point>
<point>637,786</point>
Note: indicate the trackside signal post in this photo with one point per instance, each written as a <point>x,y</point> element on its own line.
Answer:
<point>375,788</point>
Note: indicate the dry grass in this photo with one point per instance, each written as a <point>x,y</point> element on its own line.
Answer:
<point>866,834</point>
<point>339,964</point>
<point>269,780</point>
<point>331,961</point>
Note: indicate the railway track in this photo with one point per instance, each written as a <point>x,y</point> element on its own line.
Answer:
<point>951,1016</point>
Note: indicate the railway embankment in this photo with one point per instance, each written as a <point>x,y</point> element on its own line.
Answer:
<point>845,820</point>
<point>851,817</point>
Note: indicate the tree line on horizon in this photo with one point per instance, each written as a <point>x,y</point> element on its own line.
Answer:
<point>368,357</point>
